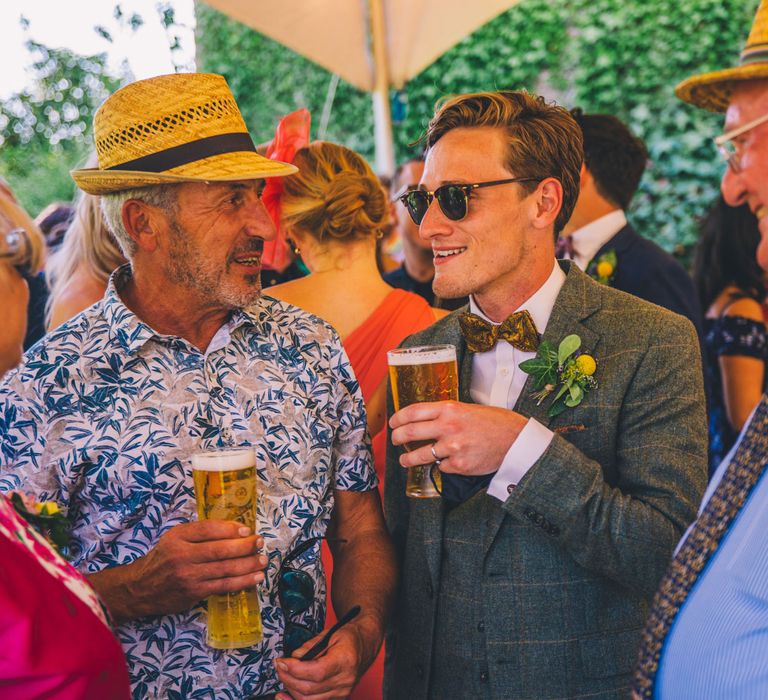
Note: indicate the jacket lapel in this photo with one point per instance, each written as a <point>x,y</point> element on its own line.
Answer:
<point>574,305</point>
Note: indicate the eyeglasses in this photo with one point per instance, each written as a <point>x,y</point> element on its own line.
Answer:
<point>728,149</point>
<point>296,591</point>
<point>453,199</point>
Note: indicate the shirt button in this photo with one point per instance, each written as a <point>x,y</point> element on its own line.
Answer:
<point>483,677</point>
<point>504,372</point>
<point>481,627</point>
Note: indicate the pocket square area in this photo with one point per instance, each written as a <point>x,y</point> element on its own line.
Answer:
<point>575,428</point>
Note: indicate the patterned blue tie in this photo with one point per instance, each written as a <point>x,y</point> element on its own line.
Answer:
<point>739,478</point>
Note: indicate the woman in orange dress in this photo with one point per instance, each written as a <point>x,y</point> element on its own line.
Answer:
<point>334,211</point>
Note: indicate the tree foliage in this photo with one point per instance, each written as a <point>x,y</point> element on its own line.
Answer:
<point>45,129</point>
<point>627,58</point>
<point>612,56</point>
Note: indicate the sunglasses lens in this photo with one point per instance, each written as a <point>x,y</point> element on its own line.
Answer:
<point>296,591</point>
<point>294,637</point>
<point>417,204</point>
<point>452,201</point>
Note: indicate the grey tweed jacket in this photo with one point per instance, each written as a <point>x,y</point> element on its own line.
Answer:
<point>570,560</point>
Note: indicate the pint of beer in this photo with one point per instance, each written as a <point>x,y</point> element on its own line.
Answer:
<point>225,489</point>
<point>423,373</point>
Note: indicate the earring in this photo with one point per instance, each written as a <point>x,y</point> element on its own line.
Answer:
<point>379,234</point>
<point>292,245</point>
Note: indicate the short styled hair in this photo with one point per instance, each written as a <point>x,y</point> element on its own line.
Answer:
<point>614,156</point>
<point>544,140</point>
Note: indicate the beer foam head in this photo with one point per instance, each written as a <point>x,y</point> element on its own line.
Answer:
<point>222,460</point>
<point>421,355</point>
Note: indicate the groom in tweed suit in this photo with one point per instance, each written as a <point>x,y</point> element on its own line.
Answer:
<point>530,577</point>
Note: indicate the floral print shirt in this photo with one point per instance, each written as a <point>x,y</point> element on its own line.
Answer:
<point>103,416</point>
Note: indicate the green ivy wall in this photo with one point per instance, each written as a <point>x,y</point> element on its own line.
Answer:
<point>618,56</point>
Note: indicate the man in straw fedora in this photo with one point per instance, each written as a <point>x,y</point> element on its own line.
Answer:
<point>707,632</point>
<point>183,354</point>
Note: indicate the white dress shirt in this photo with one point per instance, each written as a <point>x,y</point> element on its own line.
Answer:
<point>590,238</point>
<point>497,380</point>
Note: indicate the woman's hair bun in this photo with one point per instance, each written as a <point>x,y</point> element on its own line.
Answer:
<point>335,194</point>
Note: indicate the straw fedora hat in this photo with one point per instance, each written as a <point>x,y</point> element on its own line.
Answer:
<point>712,91</point>
<point>184,127</point>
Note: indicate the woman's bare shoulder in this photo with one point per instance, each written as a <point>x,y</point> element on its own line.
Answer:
<point>297,292</point>
<point>731,302</point>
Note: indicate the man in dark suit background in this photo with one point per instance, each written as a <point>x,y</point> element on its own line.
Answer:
<point>530,577</point>
<point>598,230</point>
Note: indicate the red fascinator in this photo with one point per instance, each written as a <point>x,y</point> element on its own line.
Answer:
<point>291,135</point>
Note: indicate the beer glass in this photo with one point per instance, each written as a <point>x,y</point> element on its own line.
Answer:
<point>225,489</point>
<point>423,373</point>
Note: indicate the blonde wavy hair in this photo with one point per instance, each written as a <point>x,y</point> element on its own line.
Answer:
<point>334,196</point>
<point>87,244</point>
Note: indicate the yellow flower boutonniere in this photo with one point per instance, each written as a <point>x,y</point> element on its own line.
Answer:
<point>565,370</point>
<point>603,269</point>
<point>45,517</point>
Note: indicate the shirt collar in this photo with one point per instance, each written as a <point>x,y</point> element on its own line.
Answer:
<point>539,304</point>
<point>131,333</point>
<point>590,238</point>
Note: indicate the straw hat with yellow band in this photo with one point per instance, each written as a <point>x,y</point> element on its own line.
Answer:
<point>184,127</point>
<point>712,91</point>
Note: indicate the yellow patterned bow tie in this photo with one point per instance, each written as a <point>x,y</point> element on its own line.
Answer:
<point>518,330</point>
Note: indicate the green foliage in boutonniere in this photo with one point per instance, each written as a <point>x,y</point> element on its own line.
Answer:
<point>566,370</point>
<point>603,270</point>
<point>46,518</point>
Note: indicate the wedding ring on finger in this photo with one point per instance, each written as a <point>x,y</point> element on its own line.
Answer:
<point>434,454</point>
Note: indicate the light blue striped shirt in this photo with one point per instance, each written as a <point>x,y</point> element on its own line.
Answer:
<point>718,647</point>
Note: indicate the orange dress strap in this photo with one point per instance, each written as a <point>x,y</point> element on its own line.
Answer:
<point>398,316</point>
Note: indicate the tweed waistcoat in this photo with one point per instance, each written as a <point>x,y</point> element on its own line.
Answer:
<point>460,666</point>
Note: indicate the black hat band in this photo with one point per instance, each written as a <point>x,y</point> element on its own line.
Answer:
<point>189,153</point>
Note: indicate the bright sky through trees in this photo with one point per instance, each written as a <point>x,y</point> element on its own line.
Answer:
<point>71,24</point>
